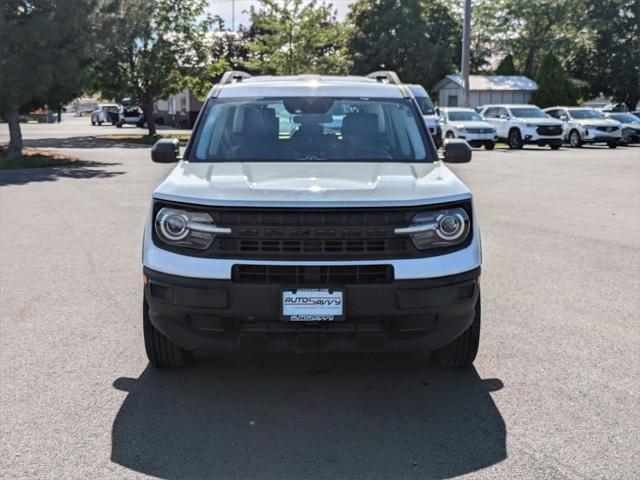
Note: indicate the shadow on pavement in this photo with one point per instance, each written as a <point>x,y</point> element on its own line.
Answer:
<point>79,169</point>
<point>82,142</point>
<point>308,417</point>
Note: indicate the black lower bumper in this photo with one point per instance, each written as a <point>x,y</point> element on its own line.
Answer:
<point>222,314</point>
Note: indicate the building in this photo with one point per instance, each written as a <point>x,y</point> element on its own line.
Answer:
<point>179,110</point>
<point>485,89</point>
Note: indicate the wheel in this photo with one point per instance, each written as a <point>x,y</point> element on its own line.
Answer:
<point>119,124</point>
<point>93,122</point>
<point>161,351</point>
<point>462,351</point>
<point>100,123</point>
<point>555,146</point>
<point>490,145</point>
<point>450,135</point>
<point>140,124</point>
<point>612,144</point>
<point>515,139</point>
<point>574,139</point>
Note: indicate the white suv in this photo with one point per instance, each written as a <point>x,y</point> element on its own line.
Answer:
<point>429,113</point>
<point>311,212</point>
<point>521,125</point>
<point>587,125</point>
<point>466,124</point>
<point>105,112</point>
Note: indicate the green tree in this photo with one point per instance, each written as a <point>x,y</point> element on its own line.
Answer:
<point>46,50</point>
<point>554,84</point>
<point>506,66</point>
<point>419,39</point>
<point>295,36</point>
<point>155,48</point>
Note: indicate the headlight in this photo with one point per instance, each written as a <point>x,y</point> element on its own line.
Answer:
<point>439,228</point>
<point>589,126</point>
<point>183,228</point>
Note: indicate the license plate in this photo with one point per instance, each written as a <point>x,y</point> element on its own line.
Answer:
<point>312,305</point>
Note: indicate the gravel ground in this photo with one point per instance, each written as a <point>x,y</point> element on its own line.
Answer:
<point>554,392</point>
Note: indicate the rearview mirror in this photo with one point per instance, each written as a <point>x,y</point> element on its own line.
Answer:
<point>166,150</point>
<point>456,151</point>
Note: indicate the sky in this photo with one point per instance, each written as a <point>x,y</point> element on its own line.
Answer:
<point>224,8</point>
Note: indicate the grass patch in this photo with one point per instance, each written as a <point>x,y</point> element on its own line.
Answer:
<point>146,139</point>
<point>33,158</point>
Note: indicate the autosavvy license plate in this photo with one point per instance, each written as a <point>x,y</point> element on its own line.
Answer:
<point>312,305</point>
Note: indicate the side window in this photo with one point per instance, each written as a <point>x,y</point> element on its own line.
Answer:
<point>554,113</point>
<point>491,112</point>
<point>503,112</point>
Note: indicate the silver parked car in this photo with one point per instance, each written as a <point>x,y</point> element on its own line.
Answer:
<point>587,125</point>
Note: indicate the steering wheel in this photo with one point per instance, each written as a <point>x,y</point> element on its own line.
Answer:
<point>374,153</point>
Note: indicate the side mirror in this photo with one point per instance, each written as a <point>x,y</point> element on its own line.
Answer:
<point>456,151</point>
<point>166,150</point>
<point>564,118</point>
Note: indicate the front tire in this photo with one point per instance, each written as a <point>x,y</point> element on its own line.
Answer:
<point>161,351</point>
<point>515,139</point>
<point>490,145</point>
<point>555,146</point>
<point>463,350</point>
<point>612,145</point>
<point>574,139</point>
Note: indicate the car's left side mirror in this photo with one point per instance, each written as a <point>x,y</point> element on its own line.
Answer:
<point>456,151</point>
<point>166,150</point>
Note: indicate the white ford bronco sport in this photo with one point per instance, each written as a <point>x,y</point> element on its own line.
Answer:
<point>311,212</point>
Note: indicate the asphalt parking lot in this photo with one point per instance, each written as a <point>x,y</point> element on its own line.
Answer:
<point>554,392</point>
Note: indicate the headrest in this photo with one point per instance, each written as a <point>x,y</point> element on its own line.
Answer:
<point>360,124</point>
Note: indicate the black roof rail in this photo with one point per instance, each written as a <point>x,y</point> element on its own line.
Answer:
<point>232,76</point>
<point>391,77</point>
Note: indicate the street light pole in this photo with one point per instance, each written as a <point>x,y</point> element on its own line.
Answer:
<point>233,15</point>
<point>466,42</point>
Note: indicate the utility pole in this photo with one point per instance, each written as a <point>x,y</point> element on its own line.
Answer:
<point>466,42</point>
<point>233,15</point>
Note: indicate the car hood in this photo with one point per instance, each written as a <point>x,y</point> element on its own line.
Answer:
<point>542,121</point>
<point>598,122</point>
<point>471,124</point>
<point>311,184</point>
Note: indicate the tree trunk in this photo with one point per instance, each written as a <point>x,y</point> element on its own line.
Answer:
<point>147,109</point>
<point>15,135</point>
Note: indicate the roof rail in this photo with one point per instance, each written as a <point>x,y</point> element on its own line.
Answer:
<point>391,77</point>
<point>232,76</point>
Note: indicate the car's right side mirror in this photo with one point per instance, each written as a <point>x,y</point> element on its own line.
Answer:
<point>456,151</point>
<point>166,150</point>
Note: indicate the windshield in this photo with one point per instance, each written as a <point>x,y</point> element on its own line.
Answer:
<point>624,117</point>
<point>585,114</point>
<point>310,128</point>
<point>528,112</point>
<point>426,107</point>
<point>461,116</point>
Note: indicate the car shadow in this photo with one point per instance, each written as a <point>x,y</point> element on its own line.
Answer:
<point>83,142</point>
<point>308,416</point>
<point>79,169</point>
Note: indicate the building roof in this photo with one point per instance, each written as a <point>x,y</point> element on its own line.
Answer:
<point>310,86</point>
<point>491,82</point>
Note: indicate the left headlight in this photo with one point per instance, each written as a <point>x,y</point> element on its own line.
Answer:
<point>439,228</point>
<point>183,228</point>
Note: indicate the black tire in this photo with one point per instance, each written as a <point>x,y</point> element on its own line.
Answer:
<point>140,124</point>
<point>99,123</point>
<point>161,351</point>
<point>463,350</point>
<point>574,139</point>
<point>612,145</point>
<point>490,145</point>
<point>555,146</point>
<point>93,122</point>
<point>119,125</point>
<point>515,139</point>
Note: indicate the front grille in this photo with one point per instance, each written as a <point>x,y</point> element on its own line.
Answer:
<point>312,233</point>
<point>480,130</point>
<point>549,130</point>
<point>313,275</point>
<point>607,129</point>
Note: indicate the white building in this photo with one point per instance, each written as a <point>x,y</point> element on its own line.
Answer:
<point>485,89</point>
<point>179,110</point>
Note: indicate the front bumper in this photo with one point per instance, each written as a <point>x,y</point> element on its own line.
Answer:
<point>200,314</point>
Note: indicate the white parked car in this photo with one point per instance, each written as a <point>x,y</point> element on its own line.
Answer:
<point>428,113</point>
<point>131,115</point>
<point>354,236</point>
<point>466,124</point>
<point>630,126</point>
<point>105,112</point>
<point>521,125</point>
<point>587,125</point>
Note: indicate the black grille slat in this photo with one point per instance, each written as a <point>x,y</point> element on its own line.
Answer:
<point>549,130</point>
<point>312,275</point>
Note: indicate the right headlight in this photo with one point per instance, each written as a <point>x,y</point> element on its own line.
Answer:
<point>184,228</point>
<point>438,228</point>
